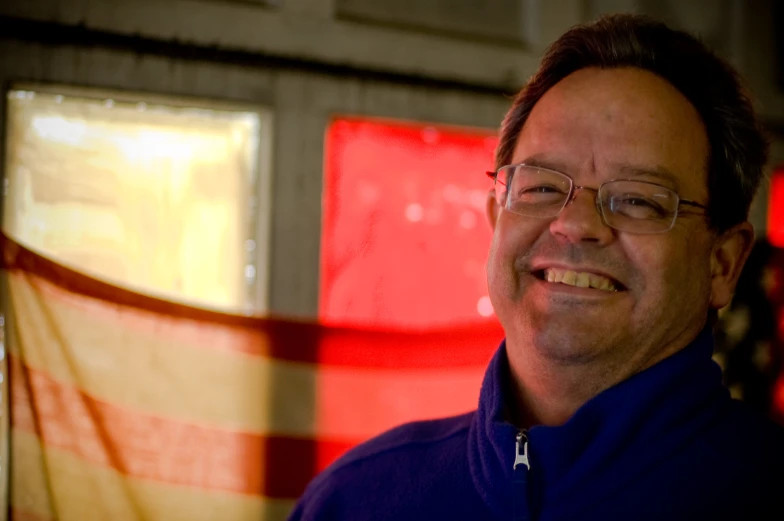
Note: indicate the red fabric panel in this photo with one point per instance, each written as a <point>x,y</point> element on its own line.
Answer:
<point>776,209</point>
<point>405,237</point>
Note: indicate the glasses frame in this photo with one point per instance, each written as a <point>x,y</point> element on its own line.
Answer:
<point>573,189</point>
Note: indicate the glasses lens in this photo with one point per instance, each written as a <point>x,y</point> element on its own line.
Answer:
<point>537,192</point>
<point>638,206</point>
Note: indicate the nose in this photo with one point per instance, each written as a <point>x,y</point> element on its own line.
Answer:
<point>581,219</point>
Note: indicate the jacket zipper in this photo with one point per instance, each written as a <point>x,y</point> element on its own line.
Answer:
<point>521,443</point>
<point>521,468</point>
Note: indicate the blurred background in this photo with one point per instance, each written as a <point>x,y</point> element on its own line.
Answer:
<point>241,236</point>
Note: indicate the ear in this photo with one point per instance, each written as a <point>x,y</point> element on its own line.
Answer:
<point>730,252</point>
<point>492,209</point>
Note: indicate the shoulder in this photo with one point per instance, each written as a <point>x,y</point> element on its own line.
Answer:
<point>748,462</point>
<point>414,436</point>
<point>397,445</point>
<point>384,466</point>
<point>747,425</point>
<point>749,445</point>
<point>758,434</point>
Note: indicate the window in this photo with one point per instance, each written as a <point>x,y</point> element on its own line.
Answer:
<point>155,194</point>
<point>405,238</point>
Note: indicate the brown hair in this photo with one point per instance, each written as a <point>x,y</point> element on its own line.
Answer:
<point>738,147</point>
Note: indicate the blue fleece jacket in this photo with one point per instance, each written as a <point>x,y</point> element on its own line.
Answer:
<point>668,443</point>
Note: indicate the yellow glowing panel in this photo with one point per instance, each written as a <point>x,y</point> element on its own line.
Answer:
<point>157,198</point>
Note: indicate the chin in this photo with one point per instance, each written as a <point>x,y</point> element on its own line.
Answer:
<point>568,348</point>
<point>565,338</point>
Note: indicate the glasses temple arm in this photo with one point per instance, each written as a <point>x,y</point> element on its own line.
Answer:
<point>692,203</point>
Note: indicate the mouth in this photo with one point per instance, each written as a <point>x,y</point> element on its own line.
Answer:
<point>579,279</point>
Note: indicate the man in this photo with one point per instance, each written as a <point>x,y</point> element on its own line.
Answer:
<point>626,168</point>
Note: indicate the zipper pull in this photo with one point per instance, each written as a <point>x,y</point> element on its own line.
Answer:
<point>521,458</point>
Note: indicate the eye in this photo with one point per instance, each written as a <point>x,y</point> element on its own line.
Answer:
<point>637,207</point>
<point>539,189</point>
<point>638,201</point>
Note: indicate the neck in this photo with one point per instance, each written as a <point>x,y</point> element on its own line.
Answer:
<point>549,391</point>
<point>549,395</point>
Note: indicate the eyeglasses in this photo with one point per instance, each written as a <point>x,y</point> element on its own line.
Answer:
<point>627,205</point>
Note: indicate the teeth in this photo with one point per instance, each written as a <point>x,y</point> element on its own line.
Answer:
<point>579,279</point>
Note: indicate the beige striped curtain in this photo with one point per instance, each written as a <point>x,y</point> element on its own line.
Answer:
<point>124,407</point>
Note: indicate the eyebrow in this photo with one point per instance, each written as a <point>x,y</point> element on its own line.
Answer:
<point>626,170</point>
<point>542,161</point>
<point>659,172</point>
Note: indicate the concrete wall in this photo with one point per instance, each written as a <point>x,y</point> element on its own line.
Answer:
<point>428,60</point>
<point>302,30</point>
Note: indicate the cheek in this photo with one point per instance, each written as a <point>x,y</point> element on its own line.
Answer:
<point>498,258</point>
<point>511,237</point>
<point>671,266</point>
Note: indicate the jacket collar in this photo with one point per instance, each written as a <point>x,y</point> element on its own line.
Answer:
<point>614,435</point>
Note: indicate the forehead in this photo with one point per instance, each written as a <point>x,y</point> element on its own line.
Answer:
<point>610,123</point>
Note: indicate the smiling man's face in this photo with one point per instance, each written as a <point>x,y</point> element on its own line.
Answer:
<point>598,125</point>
